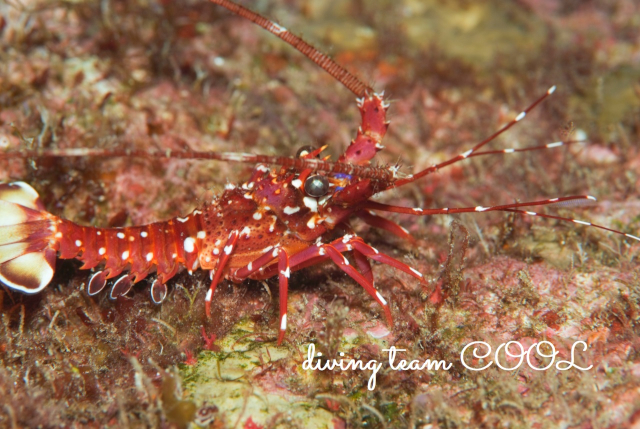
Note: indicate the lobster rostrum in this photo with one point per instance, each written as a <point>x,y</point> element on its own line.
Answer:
<point>280,220</point>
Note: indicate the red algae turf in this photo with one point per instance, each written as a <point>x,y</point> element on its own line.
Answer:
<point>174,74</point>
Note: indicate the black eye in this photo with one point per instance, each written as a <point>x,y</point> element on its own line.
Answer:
<point>304,150</point>
<point>316,186</point>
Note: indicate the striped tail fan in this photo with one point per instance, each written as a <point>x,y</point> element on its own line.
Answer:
<point>27,262</point>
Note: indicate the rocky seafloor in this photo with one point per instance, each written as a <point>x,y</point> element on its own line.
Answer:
<point>169,75</point>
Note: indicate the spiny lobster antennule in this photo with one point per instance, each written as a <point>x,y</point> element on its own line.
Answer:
<point>26,262</point>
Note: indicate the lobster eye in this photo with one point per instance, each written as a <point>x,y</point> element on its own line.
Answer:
<point>304,150</point>
<point>316,186</point>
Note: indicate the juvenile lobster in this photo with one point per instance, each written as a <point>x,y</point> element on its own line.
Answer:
<point>276,222</point>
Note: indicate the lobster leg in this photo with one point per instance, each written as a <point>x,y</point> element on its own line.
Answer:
<point>344,265</point>
<point>319,253</point>
<point>283,279</point>
<point>374,254</point>
<point>284,272</point>
<point>363,265</point>
<point>372,219</point>
<point>361,260</point>
<point>216,274</point>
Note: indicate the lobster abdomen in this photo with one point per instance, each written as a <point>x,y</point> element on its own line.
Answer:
<point>163,245</point>
<point>30,239</point>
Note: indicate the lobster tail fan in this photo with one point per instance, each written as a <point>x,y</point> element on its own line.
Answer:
<point>29,273</point>
<point>27,264</point>
<point>21,193</point>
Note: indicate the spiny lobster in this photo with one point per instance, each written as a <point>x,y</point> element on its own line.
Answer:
<point>276,222</point>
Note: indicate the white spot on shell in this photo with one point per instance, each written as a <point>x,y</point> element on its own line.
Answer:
<point>257,215</point>
<point>201,235</point>
<point>149,257</point>
<point>125,255</point>
<point>102,251</point>
<point>311,203</point>
<point>120,235</point>
<point>296,183</point>
<point>228,249</point>
<point>189,244</point>
<point>78,243</point>
<point>291,210</point>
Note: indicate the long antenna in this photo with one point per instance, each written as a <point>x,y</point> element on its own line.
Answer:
<point>363,171</point>
<point>341,74</point>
